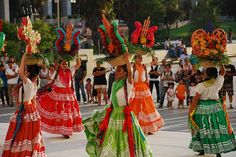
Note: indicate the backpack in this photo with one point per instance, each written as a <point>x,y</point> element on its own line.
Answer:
<point>1,83</point>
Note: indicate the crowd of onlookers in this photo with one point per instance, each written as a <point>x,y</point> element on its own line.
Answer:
<point>179,83</point>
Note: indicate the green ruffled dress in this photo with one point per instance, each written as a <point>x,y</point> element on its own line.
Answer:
<point>213,136</point>
<point>115,143</point>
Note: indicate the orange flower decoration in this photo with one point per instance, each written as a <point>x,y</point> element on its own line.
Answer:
<point>206,44</point>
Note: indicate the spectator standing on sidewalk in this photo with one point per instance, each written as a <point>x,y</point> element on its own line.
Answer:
<point>170,95</point>
<point>154,77</point>
<point>180,93</point>
<point>100,82</point>
<point>184,56</point>
<point>230,36</point>
<point>167,77</point>
<point>80,74</point>
<point>4,59</point>
<point>43,73</point>
<point>12,79</point>
<point>89,88</point>
<point>51,73</point>
<point>161,82</point>
<point>111,79</point>
<point>228,86</point>
<point>187,69</point>
<point>3,88</point>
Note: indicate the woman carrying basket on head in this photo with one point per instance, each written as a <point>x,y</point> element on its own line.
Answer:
<point>208,119</point>
<point>141,101</point>
<point>116,131</point>
<point>24,136</point>
<point>58,108</point>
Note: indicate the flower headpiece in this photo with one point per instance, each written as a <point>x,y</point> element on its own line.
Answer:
<point>111,38</point>
<point>67,42</point>
<point>143,34</point>
<point>31,37</point>
<point>210,47</point>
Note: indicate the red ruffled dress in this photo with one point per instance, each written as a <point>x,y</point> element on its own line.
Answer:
<point>58,108</point>
<point>24,136</point>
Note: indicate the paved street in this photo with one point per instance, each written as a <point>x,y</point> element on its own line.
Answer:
<point>171,141</point>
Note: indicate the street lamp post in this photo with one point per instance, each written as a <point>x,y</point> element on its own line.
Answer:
<point>58,13</point>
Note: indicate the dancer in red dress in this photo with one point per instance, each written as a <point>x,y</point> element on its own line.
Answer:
<point>24,136</point>
<point>58,107</point>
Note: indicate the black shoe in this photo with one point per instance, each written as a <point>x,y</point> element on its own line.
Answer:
<point>201,152</point>
<point>218,155</point>
<point>66,136</point>
<point>160,106</point>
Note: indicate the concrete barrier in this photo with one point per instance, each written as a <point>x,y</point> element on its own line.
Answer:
<point>87,54</point>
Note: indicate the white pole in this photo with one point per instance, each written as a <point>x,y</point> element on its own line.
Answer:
<point>58,13</point>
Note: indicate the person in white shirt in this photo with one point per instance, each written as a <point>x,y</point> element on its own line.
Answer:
<point>154,77</point>
<point>209,122</point>
<point>12,79</point>
<point>43,73</point>
<point>184,56</point>
<point>192,91</point>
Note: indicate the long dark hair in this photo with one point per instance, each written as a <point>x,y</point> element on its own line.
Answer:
<point>211,72</point>
<point>33,70</point>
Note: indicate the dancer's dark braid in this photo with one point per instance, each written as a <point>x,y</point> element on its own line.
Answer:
<point>126,92</point>
<point>19,116</point>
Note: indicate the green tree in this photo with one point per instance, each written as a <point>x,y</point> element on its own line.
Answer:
<point>172,14</point>
<point>91,13</point>
<point>186,8</point>
<point>205,14</point>
<point>48,35</point>
<point>133,10</point>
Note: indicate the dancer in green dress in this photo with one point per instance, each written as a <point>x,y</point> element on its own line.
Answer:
<point>115,132</point>
<point>209,122</point>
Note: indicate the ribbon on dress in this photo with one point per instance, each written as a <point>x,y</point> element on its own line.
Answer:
<point>104,124</point>
<point>230,131</point>
<point>128,127</point>
<point>19,118</point>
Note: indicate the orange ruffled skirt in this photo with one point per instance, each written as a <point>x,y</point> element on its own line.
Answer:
<point>59,111</point>
<point>142,105</point>
<point>28,141</point>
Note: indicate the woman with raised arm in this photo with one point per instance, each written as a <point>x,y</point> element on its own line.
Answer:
<point>115,132</point>
<point>58,107</point>
<point>208,119</point>
<point>141,101</point>
<point>24,136</point>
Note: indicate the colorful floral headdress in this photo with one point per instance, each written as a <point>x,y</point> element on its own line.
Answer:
<point>143,34</point>
<point>210,47</point>
<point>111,38</point>
<point>31,37</point>
<point>67,42</point>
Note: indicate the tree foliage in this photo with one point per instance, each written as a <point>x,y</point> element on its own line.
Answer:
<point>172,13</point>
<point>205,14</point>
<point>48,35</point>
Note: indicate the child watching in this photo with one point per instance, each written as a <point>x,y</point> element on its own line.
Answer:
<point>192,91</point>
<point>89,88</point>
<point>170,95</point>
<point>180,93</point>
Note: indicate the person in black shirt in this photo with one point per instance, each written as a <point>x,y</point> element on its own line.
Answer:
<point>79,83</point>
<point>228,83</point>
<point>154,75</point>
<point>100,82</point>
